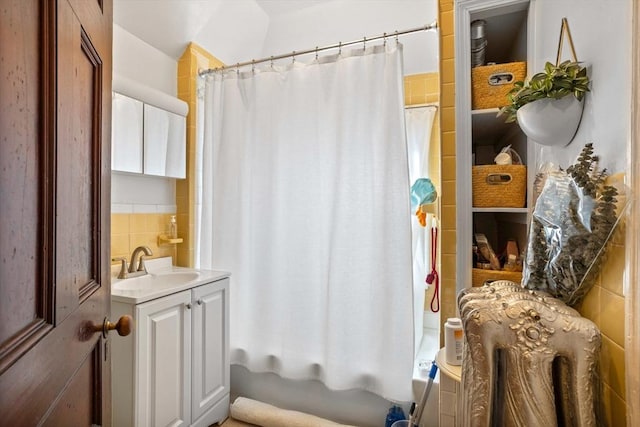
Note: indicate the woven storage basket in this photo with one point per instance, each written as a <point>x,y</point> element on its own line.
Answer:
<point>499,186</point>
<point>492,83</point>
<point>479,276</point>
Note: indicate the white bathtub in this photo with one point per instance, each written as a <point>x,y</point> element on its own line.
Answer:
<point>355,407</point>
<point>427,351</point>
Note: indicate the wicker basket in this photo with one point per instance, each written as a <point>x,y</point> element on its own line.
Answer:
<point>480,276</point>
<point>492,83</point>
<point>499,186</point>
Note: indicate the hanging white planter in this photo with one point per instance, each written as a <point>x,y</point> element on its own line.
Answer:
<point>551,121</point>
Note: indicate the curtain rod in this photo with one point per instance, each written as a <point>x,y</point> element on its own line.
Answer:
<point>340,45</point>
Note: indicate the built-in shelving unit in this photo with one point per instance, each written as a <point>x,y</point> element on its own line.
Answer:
<point>481,134</point>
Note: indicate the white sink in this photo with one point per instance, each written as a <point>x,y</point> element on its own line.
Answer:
<point>163,279</point>
<point>156,281</point>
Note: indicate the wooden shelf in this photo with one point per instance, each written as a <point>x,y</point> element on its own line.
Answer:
<point>501,210</point>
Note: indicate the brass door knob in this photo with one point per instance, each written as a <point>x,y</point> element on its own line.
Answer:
<point>123,326</point>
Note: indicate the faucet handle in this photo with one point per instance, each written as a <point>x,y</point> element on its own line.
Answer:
<point>123,266</point>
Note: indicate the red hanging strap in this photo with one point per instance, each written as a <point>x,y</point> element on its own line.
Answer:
<point>433,276</point>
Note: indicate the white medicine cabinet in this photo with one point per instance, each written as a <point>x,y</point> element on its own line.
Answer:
<point>148,129</point>
<point>126,134</point>
<point>164,143</point>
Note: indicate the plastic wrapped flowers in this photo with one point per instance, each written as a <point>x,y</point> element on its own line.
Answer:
<point>573,218</point>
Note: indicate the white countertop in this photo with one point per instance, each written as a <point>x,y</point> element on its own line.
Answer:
<point>160,266</point>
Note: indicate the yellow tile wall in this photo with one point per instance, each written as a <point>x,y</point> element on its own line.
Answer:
<point>192,60</point>
<point>604,305</point>
<point>421,89</point>
<point>128,231</point>
<point>448,161</point>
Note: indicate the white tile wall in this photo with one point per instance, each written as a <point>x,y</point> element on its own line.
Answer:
<point>132,193</point>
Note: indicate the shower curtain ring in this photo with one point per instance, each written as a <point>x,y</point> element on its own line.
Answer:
<point>339,48</point>
<point>293,56</point>
<point>364,43</point>
<point>316,53</point>
<point>384,39</point>
<point>397,41</point>
<point>238,69</point>
<point>253,66</point>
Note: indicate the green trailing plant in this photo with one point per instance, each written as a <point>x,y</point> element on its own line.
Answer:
<point>573,218</point>
<point>556,81</point>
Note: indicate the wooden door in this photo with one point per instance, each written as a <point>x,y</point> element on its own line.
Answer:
<point>55,112</point>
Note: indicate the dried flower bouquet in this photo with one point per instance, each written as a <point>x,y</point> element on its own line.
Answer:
<point>573,218</point>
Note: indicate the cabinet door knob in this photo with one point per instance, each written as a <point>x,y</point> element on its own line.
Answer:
<point>199,301</point>
<point>188,305</point>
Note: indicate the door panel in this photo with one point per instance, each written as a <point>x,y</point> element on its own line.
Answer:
<point>24,317</point>
<point>72,408</point>
<point>163,351</point>
<point>210,346</point>
<point>55,80</point>
<point>78,189</point>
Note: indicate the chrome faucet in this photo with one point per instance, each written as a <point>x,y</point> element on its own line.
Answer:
<point>141,268</point>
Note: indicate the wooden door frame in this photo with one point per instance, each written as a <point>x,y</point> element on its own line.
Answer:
<point>632,291</point>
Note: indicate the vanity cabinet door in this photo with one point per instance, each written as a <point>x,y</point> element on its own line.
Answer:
<point>163,363</point>
<point>164,143</point>
<point>210,378</point>
<point>126,134</point>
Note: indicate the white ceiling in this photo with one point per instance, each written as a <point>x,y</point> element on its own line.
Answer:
<point>280,7</point>
<point>169,25</point>
<point>241,30</point>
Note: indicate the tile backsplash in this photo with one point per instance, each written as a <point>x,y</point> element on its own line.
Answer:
<point>130,230</point>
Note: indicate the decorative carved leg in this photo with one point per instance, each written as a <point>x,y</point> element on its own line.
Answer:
<point>479,357</point>
<point>529,398</point>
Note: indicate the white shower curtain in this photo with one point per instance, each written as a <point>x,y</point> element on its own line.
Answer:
<point>419,122</point>
<point>304,198</point>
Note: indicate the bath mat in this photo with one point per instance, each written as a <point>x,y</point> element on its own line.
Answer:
<point>265,415</point>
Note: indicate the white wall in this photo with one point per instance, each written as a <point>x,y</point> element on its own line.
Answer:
<point>334,21</point>
<point>139,61</point>
<point>601,31</point>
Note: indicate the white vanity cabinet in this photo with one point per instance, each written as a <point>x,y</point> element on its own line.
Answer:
<point>162,354</point>
<point>210,353</point>
<point>173,370</point>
